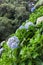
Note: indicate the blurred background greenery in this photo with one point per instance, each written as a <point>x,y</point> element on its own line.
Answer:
<point>12,14</point>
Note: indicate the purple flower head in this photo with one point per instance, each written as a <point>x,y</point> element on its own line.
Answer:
<point>32,9</point>
<point>13,42</point>
<point>28,24</point>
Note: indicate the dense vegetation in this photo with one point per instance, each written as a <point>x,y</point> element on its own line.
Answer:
<point>29,50</point>
<point>25,46</point>
<point>14,12</point>
<point>37,13</point>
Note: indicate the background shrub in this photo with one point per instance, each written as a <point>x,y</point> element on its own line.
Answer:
<point>17,11</point>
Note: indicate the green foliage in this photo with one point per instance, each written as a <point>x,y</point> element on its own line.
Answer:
<point>7,10</point>
<point>37,13</point>
<point>5,27</point>
<point>30,50</point>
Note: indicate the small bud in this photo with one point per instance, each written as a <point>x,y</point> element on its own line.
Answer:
<point>32,9</point>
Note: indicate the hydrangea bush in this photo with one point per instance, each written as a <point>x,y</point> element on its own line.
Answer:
<point>25,47</point>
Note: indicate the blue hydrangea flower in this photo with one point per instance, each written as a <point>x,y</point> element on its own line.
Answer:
<point>13,42</point>
<point>21,27</point>
<point>32,9</point>
<point>28,24</point>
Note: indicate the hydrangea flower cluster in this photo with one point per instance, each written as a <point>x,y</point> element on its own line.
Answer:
<point>13,42</point>
<point>26,26</point>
